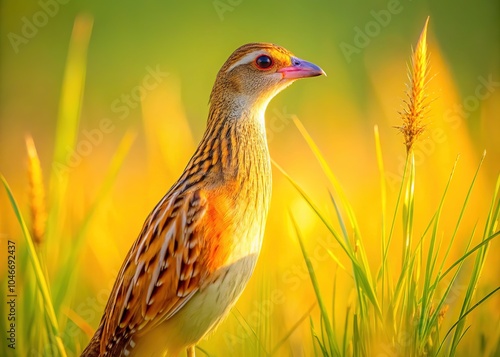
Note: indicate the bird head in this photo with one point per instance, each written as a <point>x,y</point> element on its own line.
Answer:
<point>256,72</point>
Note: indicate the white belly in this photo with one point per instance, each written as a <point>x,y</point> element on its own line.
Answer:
<point>201,314</point>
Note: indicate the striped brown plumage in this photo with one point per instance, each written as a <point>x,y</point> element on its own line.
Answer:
<point>198,247</point>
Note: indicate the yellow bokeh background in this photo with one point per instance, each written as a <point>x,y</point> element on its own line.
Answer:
<point>190,41</point>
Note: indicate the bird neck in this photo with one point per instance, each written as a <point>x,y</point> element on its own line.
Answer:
<point>238,134</point>
<point>243,109</point>
<point>233,149</point>
<point>239,123</point>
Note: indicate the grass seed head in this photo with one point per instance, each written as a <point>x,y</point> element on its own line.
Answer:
<point>415,105</point>
<point>36,192</point>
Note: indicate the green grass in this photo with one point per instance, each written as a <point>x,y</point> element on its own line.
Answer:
<point>400,312</point>
<point>43,287</point>
<point>396,309</point>
<point>408,307</point>
<point>43,327</point>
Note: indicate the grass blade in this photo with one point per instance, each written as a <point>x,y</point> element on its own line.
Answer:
<point>68,118</point>
<point>334,349</point>
<point>464,315</point>
<point>292,330</point>
<point>37,268</point>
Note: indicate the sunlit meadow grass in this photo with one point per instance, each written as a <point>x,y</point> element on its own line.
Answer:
<point>396,309</point>
<point>401,313</point>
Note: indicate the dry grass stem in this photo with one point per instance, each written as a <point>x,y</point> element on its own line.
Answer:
<point>36,193</point>
<point>416,105</point>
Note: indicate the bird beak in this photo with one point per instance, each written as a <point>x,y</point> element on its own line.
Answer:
<point>300,69</point>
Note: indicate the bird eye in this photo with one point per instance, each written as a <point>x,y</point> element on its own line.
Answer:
<point>264,62</point>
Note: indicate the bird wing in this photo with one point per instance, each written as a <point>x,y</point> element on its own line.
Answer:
<point>162,270</point>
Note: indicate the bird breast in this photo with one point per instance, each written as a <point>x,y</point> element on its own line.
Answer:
<point>241,202</point>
